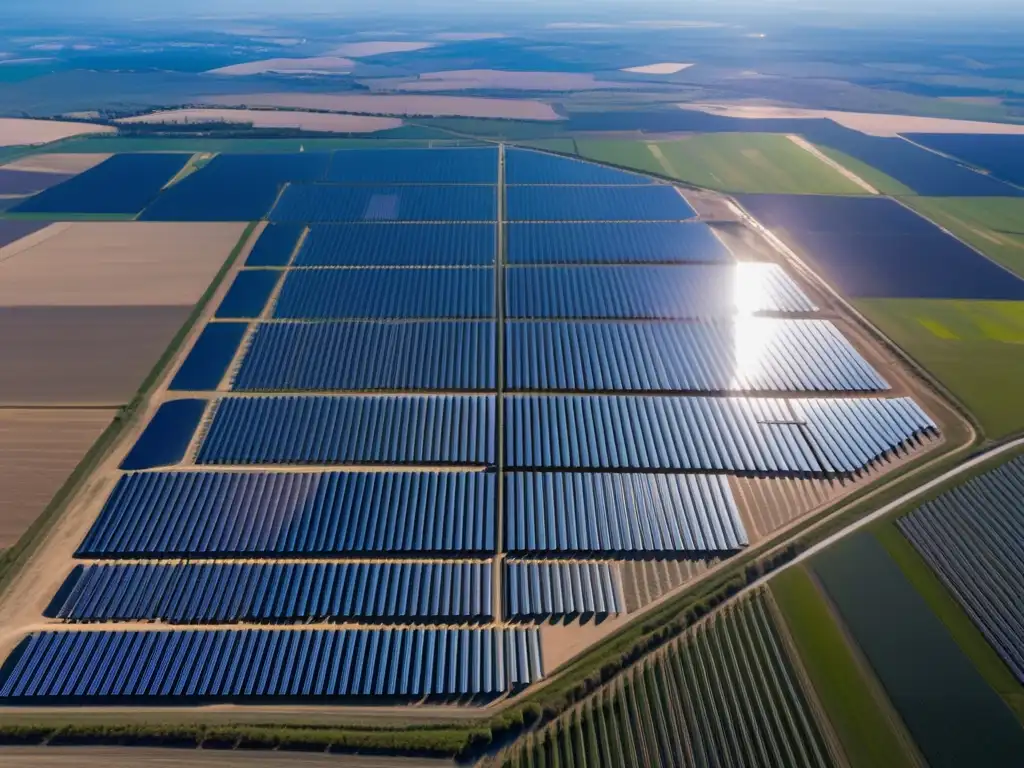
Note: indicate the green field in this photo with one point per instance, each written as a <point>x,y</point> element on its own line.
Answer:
<point>975,348</point>
<point>959,624</point>
<point>868,736</point>
<point>727,694</point>
<point>730,162</point>
<point>880,181</point>
<point>993,225</point>
<point>954,716</point>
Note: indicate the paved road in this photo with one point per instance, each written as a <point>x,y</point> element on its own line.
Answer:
<point>128,757</point>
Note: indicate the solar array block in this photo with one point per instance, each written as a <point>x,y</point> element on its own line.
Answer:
<point>398,245</point>
<point>542,590</point>
<point>207,593</point>
<point>386,293</point>
<point>275,245</point>
<point>333,202</point>
<point>248,294</point>
<point>390,429</point>
<point>369,356</point>
<point>167,435</point>
<point>654,292</point>
<point>477,165</point>
<point>608,513</point>
<point>743,355</point>
<point>209,358</point>
<point>526,166</point>
<point>734,434</point>
<point>650,242</point>
<point>608,203</point>
<point>276,514</point>
<point>256,664</point>
<point>973,537</point>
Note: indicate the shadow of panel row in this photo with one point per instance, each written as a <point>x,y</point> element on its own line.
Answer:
<point>261,514</point>
<point>676,292</point>
<point>136,667</point>
<point>543,590</point>
<point>214,593</point>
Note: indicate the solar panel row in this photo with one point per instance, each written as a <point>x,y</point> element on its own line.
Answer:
<point>389,429</point>
<point>609,203</point>
<point>540,590</point>
<point>211,665</point>
<point>207,593</point>
<point>401,245</point>
<point>386,293</point>
<point>275,245</point>
<point>209,358</point>
<point>312,203</point>
<point>525,166</point>
<point>652,292</point>
<point>734,434</point>
<point>277,514</point>
<point>369,356</point>
<point>616,513</point>
<point>463,165</point>
<point>598,243</point>
<point>248,294</point>
<point>750,354</point>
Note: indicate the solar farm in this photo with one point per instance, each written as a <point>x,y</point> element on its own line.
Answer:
<point>456,414</point>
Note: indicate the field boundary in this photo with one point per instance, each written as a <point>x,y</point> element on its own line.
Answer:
<point>16,556</point>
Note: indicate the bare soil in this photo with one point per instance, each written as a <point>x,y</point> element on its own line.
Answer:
<point>116,264</point>
<point>662,68</point>
<point>38,450</point>
<point>15,131</point>
<point>436,106</point>
<point>81,355</point>
<point>57,163</point>
<point>378,47</point>
<point>265,118</point>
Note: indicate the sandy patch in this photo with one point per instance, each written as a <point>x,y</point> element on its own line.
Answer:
<point>38,450</point>
<point>469,36</point>
<point>115,264</point>
<point>436,106</point>
<point>261,118</point>
<point>56,163</point>
<point>664,68</point>
<point>15,131</point>
<point>871,124</point>
<point>471,79</point>
<point>81,355</point>
<point>318,65</point>
<point>378,47</point>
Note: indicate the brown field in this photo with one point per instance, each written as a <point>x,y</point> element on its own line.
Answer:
<point>265,118</point>
<point>869,123</point>
<point>377,47</point>
<point>332,65</point>
<point>436,106</point>
<point>115,264</point>
<point>56,163</point>
<point>17,131</point>
<point>662,68</point>
<point>38,450</point>
<point>471,79</point>
<point>81,355</point>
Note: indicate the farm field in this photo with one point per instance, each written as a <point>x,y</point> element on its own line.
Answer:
<point>726,690</point>
<point>954,716</point>
<point>38,450</point>
<point>742,162</point>
<point>993,225</point>
<point>868,736</point>
<point>16,132</point>
<point>884,183</point>
<point>972,347</point>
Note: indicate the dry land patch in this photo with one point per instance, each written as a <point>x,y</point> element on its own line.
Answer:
<point>17,131</point>
<point>57,163</point>
<point>317,65</point>
<point>662,68</point>
<point>379,47</point>
<point>436,106</point>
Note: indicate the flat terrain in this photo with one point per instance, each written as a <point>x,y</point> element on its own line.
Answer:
<point>730,162</point>
<point>975,348</point>
<point>993,225</point>
<point>869,123</point>
<point>57,163</point>
<point>882,182</point>
<point>459,106</point>
<point>333,65</point>
<point>378,47</point>
<point>17,132</point>
<point>473,79</point>
<point>118,263</point>
<point>662,68</point>
<point>265,118</point>
<point>81,355</point>
<point>129,757</point>
<point>38,450</point>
